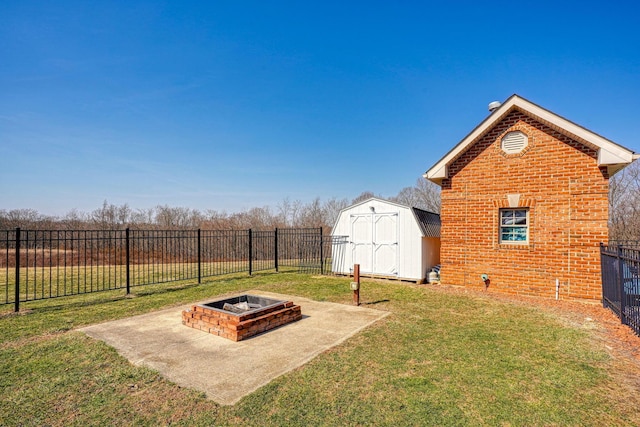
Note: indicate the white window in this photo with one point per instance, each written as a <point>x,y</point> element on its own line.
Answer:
<point>514,142</point>
<point>514,225</point>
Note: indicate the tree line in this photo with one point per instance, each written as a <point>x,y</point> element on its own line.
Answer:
<point>316,213</point>
<point>624,212</point>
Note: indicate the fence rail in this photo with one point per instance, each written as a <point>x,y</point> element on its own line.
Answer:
<point>621,282</point>
<point>41,264</point>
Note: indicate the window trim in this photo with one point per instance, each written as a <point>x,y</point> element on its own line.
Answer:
<point>526,226</point>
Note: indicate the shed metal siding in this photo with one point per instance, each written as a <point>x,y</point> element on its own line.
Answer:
<point>429,222</point>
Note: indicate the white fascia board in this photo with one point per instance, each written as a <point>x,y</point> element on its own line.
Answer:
<point>439,171</point>
<point>608,151</point>
<point>606,157</point>
<point>434,173</point>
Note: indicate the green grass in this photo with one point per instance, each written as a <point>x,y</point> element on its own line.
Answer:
<point>438,359</point>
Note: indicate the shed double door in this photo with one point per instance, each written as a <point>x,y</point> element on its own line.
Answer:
<point>374,242</point>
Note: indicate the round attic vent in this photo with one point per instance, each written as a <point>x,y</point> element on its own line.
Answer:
<point>514,142</point>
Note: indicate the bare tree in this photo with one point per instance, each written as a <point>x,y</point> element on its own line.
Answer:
<point>25,218</point>
<point>312,214</point>
<point>143,217</point>
<point>260,218</point>
<point>177,217</point>
<point>331,209</point>
<point>424,195</point>
<point>75,220</point>
<point>408,196</point>
<point>214,220</point>
<point>365,195</point>
<point>289,212</point>
<point>110,216</point>
<point>624,204</point>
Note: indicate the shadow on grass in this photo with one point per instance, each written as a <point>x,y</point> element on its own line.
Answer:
<point>375,302</point>
<point>98,298</point>
<point>89,299</point>
<point>169,289</point>
<point>64,305</point>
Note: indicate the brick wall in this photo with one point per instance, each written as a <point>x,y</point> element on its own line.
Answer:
<point>559,181</point>
<point>240,326</point>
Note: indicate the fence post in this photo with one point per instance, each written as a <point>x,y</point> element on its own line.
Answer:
<point>275,248</point>
<point>604,275</point>
<point>128,260</point>
<point>17,295</point>
<point>321,254</point>
<point>356,284</point>
<point>621,285</point>
<point>250,252</point>
<point>199,258</point>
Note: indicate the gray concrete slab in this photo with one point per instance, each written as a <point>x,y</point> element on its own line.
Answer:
<point>226,370</point>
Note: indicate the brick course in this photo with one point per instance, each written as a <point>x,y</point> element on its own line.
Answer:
<point>239,327</point>
<point>558,180</point>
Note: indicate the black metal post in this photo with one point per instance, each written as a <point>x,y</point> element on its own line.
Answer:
<point>321,254</point>
<point>250,252</point>
<point>356,281</point>
<point>17,296</point>
<point>621,286</point>
<point>128,260</point>
<point>603,275</point>
<point>199,258</point>
<point>275,248</point>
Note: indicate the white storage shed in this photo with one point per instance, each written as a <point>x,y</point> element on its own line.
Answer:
<point>388,239</point>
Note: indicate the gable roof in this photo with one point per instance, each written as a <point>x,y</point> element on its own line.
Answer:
<point>428,222</point>
<point>610,154</point>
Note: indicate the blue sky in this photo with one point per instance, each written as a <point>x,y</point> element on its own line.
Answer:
<point>237,104</point>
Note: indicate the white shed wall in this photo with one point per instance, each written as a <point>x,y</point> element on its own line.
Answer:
<point>409,257</point>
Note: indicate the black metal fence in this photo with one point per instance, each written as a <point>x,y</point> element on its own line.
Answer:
<point>41,264</point>
<point>621,281</point>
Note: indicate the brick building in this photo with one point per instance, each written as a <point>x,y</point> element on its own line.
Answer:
<point>525,202</point>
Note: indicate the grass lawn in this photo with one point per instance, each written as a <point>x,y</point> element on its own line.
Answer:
<point>438,359</point>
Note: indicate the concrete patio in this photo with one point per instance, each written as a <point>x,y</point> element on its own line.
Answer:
<point>225,370</point>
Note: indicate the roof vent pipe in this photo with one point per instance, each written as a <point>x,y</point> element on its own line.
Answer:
<point>494,105</point>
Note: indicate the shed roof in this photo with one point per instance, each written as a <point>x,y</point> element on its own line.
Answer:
<point>610,154</point>
<point>428,222</point>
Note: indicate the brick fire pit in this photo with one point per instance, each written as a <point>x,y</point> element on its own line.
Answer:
<point>241,317</point>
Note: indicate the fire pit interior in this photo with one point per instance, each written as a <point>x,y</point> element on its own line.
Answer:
<point>240,317</point>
